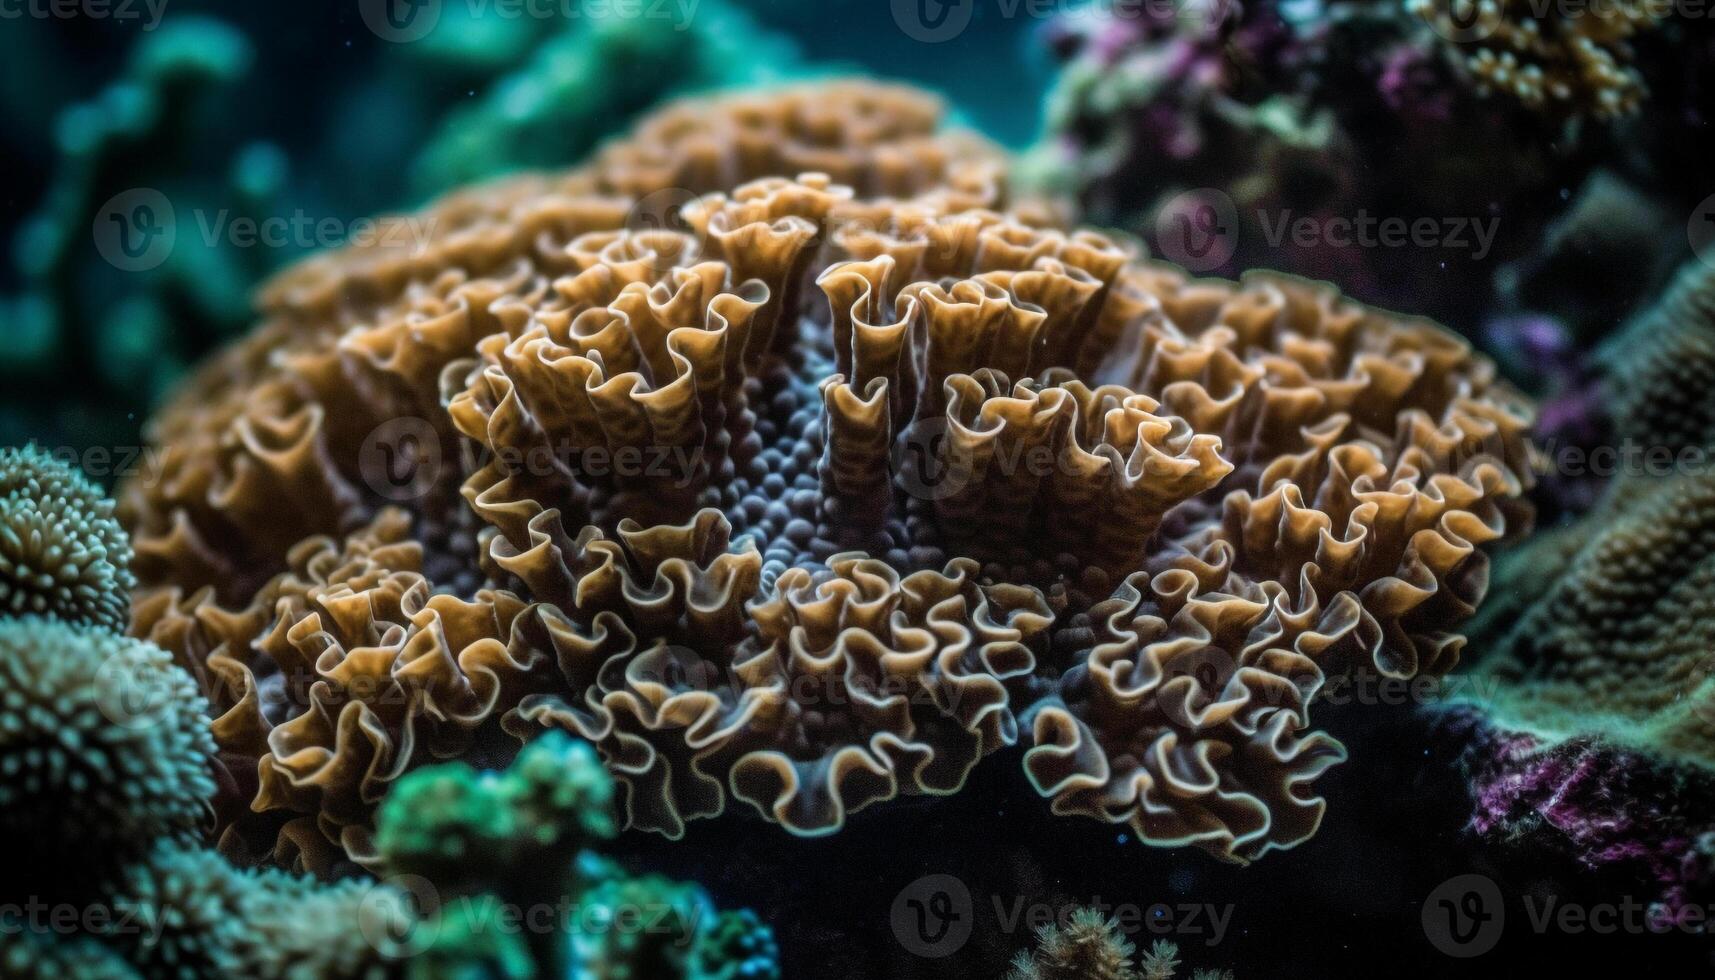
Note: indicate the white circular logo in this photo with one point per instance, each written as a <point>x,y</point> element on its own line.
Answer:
<point>1198,229</point>
<point>933,21</point>
<point>1465,916</point>
<point>133,693</point>
<point>926,462</point>
<point>400,917</point>
<point>1701,231</point>
<point>136,229</point>
<point>401,459</point>
<point>933,916</point>
<point>1459,21</point>
<point>400,21</point>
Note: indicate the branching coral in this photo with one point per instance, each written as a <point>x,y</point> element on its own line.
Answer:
<point>1090,946</point>
<point>1322,125</point>
<point>62,553</point>
<point>813,495</point>
<point>500,849</point>
<point>1576,60</point>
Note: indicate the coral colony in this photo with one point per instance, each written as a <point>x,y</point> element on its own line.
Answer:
<point>800,454</point>
<point>1138,519</point>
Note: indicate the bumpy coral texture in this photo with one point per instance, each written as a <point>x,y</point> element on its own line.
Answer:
<point>1572,61</point>
<point>103,744</point>
<point>1608,624</point>
<point>811,492</point>
<point>62,552</point>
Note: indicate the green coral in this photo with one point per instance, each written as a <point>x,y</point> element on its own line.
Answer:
<point>490,847</point>
<point>62,552</point>
<point>29,955</point>
<point>1607,627</point>
<point>543,114</point>
<point>104,745</point>
<point>198,916</point>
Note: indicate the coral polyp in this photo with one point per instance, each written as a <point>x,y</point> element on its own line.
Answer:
<point>784,457</point>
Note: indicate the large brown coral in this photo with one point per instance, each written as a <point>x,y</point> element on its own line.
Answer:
<point>814,494</point>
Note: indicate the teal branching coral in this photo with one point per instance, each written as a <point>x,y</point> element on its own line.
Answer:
<point>543,115</point>
<point>1605,626</point>
<point>500,848</point>
<point>62,552</point>
<point>79,317</point>
<point>1090,946</point>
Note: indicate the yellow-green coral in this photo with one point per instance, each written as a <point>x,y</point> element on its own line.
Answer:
<point>1572,61</point>
<point>62,552</point>
<point>1608,626</point>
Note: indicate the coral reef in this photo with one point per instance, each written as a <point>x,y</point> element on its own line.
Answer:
<point>1321,124</point>
<point>241,182</point>
<point>1605,625</point>
<point>1591,717</point>
<point>104,747</point>
<point>1575,61</point>
<point>1090,946</point>
<point>810,493</point>
<point>62,552</point>
<point>1621,815</point>
<point>491,844</point>
<point>105,751</point>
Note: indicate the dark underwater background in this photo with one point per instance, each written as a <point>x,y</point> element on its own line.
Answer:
<point>260,109</point>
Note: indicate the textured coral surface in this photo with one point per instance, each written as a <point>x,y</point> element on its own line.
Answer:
<point>808,492</point>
